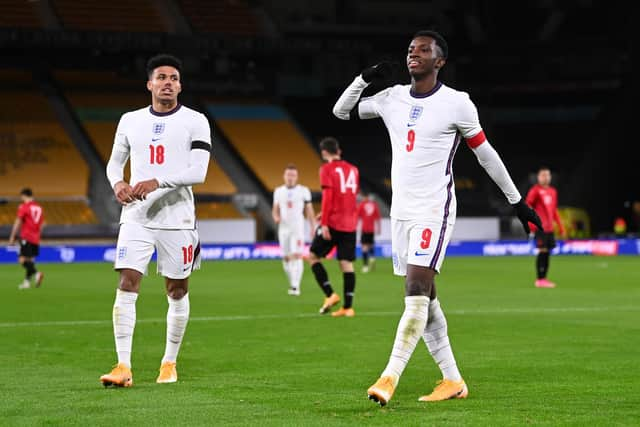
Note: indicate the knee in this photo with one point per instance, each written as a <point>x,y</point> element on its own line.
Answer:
<point>417,288</point>
<point>129,284</point>
<point>346,266</point>
<point>177,293</point>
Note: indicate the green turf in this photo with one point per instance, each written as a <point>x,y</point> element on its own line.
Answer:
<point>255,356</point>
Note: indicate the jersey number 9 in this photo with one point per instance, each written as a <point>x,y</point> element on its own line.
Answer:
<point>411,138</point>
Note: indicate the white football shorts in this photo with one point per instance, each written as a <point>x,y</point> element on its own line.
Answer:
<point>178,250</point>
<point>419,242</point>
<point>291,240</point>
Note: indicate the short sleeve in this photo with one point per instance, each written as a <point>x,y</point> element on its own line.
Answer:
<point>467,121</point>
<point>275,196</point>
<point>201,130</point>
<point>22,212</point>
<point>373,106</point>
<point>307,195</point>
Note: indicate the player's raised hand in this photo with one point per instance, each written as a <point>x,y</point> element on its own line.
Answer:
<point>123,193</point>
<point>526,215</point>
<point>143,188</point>
<point>377,72</point>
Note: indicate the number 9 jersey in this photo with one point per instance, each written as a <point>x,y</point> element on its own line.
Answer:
<point>425,131</point>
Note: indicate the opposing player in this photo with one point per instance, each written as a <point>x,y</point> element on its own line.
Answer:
<point>426,122</point>
<point>340,181</point>
<point>291,203</point>
<point>544,199</point>
<point>30,222</point>
<point>369,220</point>
<point>169,146</point>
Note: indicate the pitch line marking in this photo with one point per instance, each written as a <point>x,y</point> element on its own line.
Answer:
<point>315,315</point>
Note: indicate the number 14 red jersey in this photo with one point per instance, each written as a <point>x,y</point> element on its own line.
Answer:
<point>340,181</point>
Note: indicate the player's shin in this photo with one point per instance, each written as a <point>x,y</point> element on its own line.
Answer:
<point>322,278</point>
<point>287,269</point>
<point>177,319</point>
<point>410,328</point>
<point>30,269</point>
<point>349,288</point>
<point>437,340</point>
<point>124,322</point>
<point>542,264</point>
<point>296,266</point>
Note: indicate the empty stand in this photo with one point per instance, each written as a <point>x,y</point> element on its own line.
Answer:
<point>100,113</point>
<point>221,16</point>
<point>113,15</point>
<point>35,151</point>
<point>216,210</point>
<point>268,140</point>
<point>19,14</point>
<point>57,212</point>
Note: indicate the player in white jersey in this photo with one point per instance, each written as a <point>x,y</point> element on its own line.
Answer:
<point>426,122</point>
<point>291,203</point>
<point>169,147</point>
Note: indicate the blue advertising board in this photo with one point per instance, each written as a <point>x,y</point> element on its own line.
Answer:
<point>107,253</point>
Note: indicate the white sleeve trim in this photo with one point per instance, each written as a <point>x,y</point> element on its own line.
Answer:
<point>490,160</point>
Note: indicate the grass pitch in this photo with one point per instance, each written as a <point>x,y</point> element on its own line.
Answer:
<point>253,355</point>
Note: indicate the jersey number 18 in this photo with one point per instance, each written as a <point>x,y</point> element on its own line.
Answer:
<point>156,154</point>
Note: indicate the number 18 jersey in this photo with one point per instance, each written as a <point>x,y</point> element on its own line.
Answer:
<point>343,179</point>
<point>159,145</point>
<point>425,131</point>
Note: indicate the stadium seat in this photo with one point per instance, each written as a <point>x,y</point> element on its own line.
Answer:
<point>220,16</point>
<point>19,14</point>
<point>35,151</point>
<point>57,212</point>
<point>216,210</point>
<point>100,112</point>
<point>268,140</point>
<point>114,15</point>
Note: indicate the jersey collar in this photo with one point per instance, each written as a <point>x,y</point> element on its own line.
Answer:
<point>426,94</point>
<point>168,113</point>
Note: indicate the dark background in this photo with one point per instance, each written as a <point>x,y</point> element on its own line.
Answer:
<point>553,80</point>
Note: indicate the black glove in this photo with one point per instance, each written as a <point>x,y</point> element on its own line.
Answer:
<point>379,71</point>
<point>526,215</point>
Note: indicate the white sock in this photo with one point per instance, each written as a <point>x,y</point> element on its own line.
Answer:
<point>296,267</point>
<point>124,321</point>
<point>177,318</point>
<point>410,328</point>
<point>287,269</point>
<point>437,340</point>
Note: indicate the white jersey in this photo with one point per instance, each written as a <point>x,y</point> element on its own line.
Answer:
<point>425,132</point>
<point>291,203</point>
<point>159,145</point>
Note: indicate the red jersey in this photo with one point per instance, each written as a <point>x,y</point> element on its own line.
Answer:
<point>340,182</point>
<point>32,217</point>
<point>544,200</point>
<point>369,214</point>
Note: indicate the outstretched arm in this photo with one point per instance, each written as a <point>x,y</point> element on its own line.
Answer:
<point>492,163</point>
<point>495,168</point>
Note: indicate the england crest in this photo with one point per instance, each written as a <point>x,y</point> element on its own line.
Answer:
<point>158,128</point>
<point>415,113</point>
